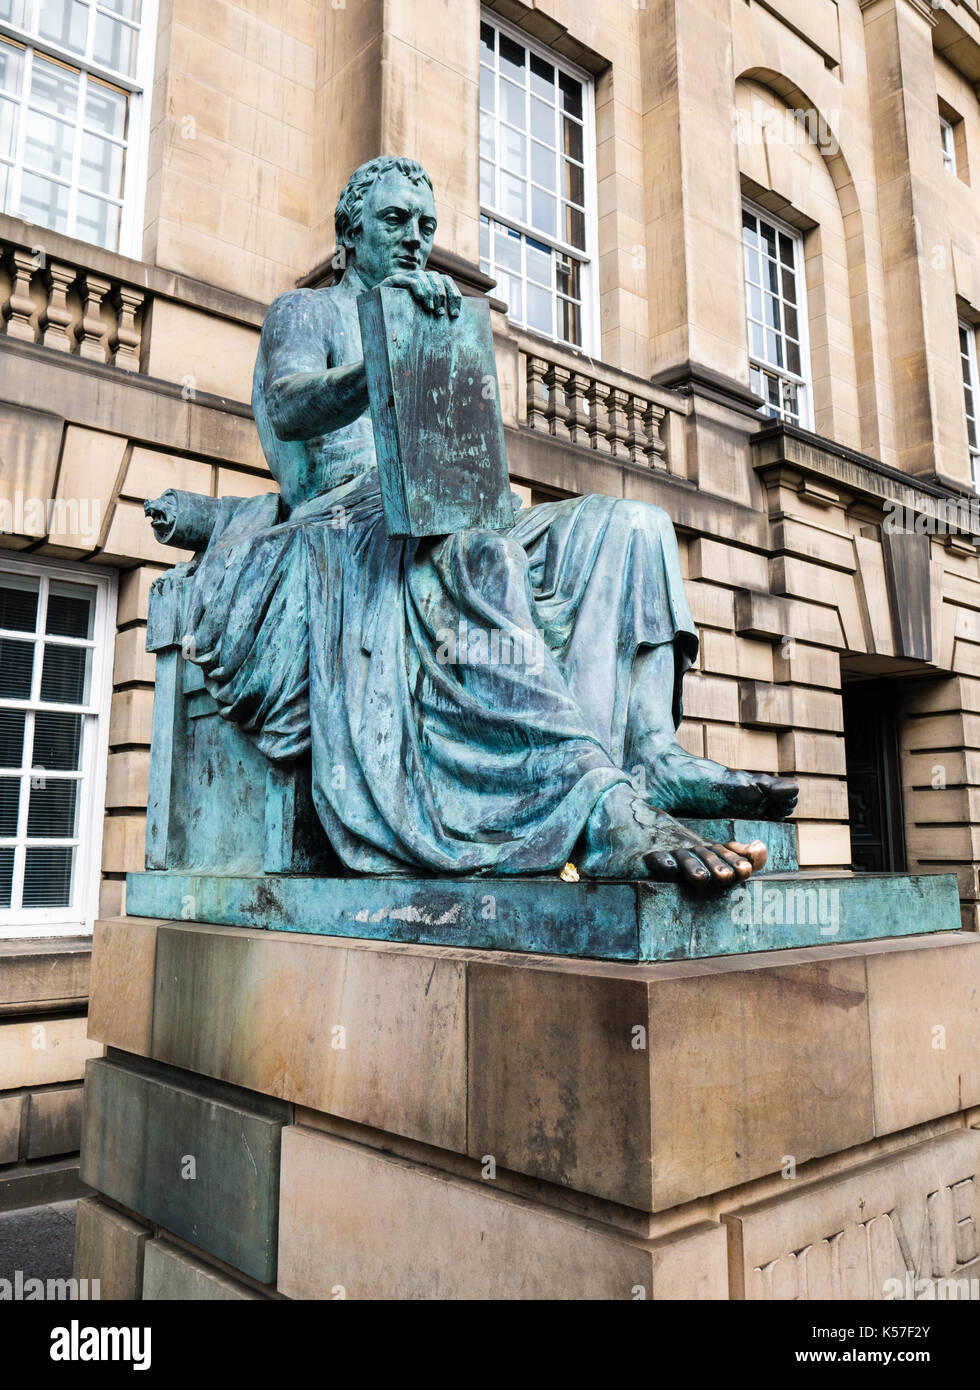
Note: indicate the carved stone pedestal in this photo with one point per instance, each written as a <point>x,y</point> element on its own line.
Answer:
<point>283,1113</point>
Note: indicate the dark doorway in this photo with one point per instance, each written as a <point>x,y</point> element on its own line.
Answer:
<point>874,781</point>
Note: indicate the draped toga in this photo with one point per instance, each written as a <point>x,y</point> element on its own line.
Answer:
<point>463,699</point>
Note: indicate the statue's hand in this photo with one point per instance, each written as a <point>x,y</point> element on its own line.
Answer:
<point>436,293</point>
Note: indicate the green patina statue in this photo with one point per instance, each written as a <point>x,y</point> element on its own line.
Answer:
<point>488,701</point>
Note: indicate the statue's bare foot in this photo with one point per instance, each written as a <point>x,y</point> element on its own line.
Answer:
<point>685,785</point>
<point>627,837</point>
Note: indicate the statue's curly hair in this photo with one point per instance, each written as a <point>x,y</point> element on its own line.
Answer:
<point>347,218</point>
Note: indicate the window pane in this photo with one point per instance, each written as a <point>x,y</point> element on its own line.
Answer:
<point>512,104</point>
<point>8,128</point>
<point>44,202</point>
<point>749,229</point>
<point>4,173</point>
<point>13,11</point>
<point>789,286</point>
<point>755,302</point>
<point>507,248</point>
<point>572,138</point>
<point>756,342</point>
<point>101,166</point>
<point>790,321</point>
<point>486,43</point>
<point>542,78</point>
<point>71,610</point>
<point>11,737</point>
<point>543,166</point>
<point>65,22</point>
<point>105,109</point>
<point>49,144</point>
<point>488,136</point>
<point>772,318</point>
<point>484,243</point>
<point>539,309</point>
<point>51,814</point>
<point>54,89</point>
<point>47,877</point>
<point>513,199</point>
<point>6,876</point>
<point>786,250</point>
<point>513,150</point>
<point>544,209</point>
<point>770,275</point>
<point>509,289</point>
<point>752,270</point>
<point>574,182</point>
<point>115,44</point>
<point>11,68</point>
<point>57,741</point>
<point>16,668</point>
<point>542,121</point>
<point>9,804</point>
<point>487,84</point>
<point>767,236</point>
<point>539,262</point>
<point>575,227</point>
<point>793,358</point>
<point>97,221</point>
<point>129,9</point>
<point>64,675</point>
<point>18,603</point>
<point>512,59</point>
<point>570,321</point>
<point>569,281</point>
<point>571,95</point>
<point>486,183</point>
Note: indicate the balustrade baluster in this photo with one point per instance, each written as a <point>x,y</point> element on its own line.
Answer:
<point>555,412</point>
<point>92,332</point>
<point>19,308</point>
<point>577,419</point>
<point>654,448</point>
<point>55,321</point>
<point>537,394</point>
<point>125,341</point>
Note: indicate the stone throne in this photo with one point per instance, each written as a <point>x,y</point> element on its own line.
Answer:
<point>201,763</point>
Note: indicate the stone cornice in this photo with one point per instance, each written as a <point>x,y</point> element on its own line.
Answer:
<point>779,446</point>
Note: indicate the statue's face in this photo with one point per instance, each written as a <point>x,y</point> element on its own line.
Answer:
<point>398,224</point>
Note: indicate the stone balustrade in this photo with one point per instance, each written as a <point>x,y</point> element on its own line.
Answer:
<point>579,401</point>
<point>60,304</point>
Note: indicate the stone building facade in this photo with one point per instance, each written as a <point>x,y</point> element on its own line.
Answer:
<point>732,252</point>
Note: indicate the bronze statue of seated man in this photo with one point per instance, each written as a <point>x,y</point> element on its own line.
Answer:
<point>319,634</point>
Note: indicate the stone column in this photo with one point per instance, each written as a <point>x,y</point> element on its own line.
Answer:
<point>384,87</point>
<point>920,290</point>
<point>693,217</point>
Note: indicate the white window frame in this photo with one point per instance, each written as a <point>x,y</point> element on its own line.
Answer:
<point>589,257</point>
<point>139,89</point>
<point>804,381</point>
<point>78,919</point>
<point>947,136</point>
<point>971,382</point>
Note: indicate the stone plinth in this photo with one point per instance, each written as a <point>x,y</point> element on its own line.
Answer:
<point>434,1121</point>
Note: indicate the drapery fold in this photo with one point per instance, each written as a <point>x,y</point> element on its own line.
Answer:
<point>463,699</point>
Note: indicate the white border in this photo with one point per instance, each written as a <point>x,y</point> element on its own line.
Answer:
<point>803,308</point>
<point>17,923</point>
<point>591,331</point>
